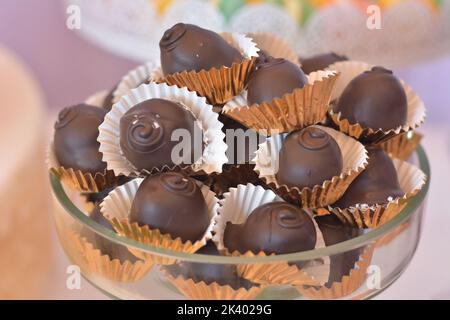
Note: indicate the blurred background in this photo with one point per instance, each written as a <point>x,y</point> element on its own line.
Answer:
<point>46,65</point>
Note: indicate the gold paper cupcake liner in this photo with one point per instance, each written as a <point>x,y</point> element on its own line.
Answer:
<point>92,261</point>
<point>403,145</point>
<point>214,291</point>
<point>301,108</point>
<point>387,239</point>
<point>411,180</point>
<point>219,85</point>
<point>349,283</point>
<point>275,46</point>
<point>355,161</point>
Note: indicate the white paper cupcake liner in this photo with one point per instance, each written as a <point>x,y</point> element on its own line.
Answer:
<point>97,99</point>
<point>354,161</point>
<point>109,137</point>
<point>236,206</point>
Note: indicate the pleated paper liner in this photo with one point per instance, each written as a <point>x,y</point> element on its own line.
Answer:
<point>354,161</point>
<point>301,108</point>
<point>349,283</point>
<point>411,180</point>
<point>146,73</point>
<point>213,156</point>
<point>237,204</point>
<point>274,46</point>
<point>403,145</point>
<point>214,291</point>
<point>78,180</point>
<point>97,99</point>
<point>348,71</point>
<point>222,84</point>
<point>116,208</point>
<point>96,263</point>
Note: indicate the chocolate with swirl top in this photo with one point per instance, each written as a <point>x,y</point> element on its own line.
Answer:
<point>172,203</point>
<point>75,138</point>
<point>307,158</point>
<point>320,61</point>
<point>374,99</point>
<point>273,78</point>
<point>146,131</point>
<point>186,47</point>
<point>275,227</point>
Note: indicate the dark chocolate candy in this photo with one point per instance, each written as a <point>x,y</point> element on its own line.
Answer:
<point>146,130</point>
<point>333,232</point>
<point>275,227</point>
<point>75,138</point>
<point>375,184</point>
<point>223,274</point>
<point>375,99</point>
<point>320,61</point>
<point>307,158</point>
<point>186,47</point>
<point>273,78</point>
<point>172,203</point>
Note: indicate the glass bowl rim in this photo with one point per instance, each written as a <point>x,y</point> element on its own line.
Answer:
<point>341,247</point>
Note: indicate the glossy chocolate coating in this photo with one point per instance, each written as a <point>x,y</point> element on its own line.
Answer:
<point>75,138</point>
<point>375,99</point>
<point>186,47</point>
<point>275,227</point>
<point>172,203</point>
<point>273,78</point>
<point>146,130</point>
<point>375,184</point>
<point>333,232</point>
<point>320,61</point>
<point>307,158</point>
<point>113,250</point>
<point>223,274</point>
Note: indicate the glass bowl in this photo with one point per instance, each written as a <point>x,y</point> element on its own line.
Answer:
<point>382,254</point>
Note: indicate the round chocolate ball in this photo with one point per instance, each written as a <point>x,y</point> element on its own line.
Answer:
<point>186,47</point>
<point>374,99</point>
<point>172,203</point>
<point>146,134</point>
<point>307,158</point>
<point>275,227</point>
<point>273,78</point>
<point>75,138</point>
<point>375,185</point>
<point>320,61</point>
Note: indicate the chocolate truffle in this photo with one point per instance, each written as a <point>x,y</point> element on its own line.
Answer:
<point>375,184</point>
<point>375,99</point>
<point>75,138</point>
<point>146,130</point>
<point>186,47</point>
<point>307,158</point>
<point>172,203</point>
<point>333,232</point>
<point>275,227</point>
<point>223,274</point>
<point>320,61</point>
<point>273,78</point>
<point>113,250</point>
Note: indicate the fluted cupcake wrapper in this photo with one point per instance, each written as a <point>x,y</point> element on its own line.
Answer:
<point>213,156</point>
<point>349,283</point>
<point>301,108</point>
<point>214,291</point>
<point>97,99</point>
<point>274,46</point>
<point>411,180</point>
<point>220,85</point>
<point>402,146</point>
<point>93,262</point>
<point>237,204</point>
<point>76,179</point>
<point>354,162</point>
<point>116,208</point>
<point>350,69</point>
